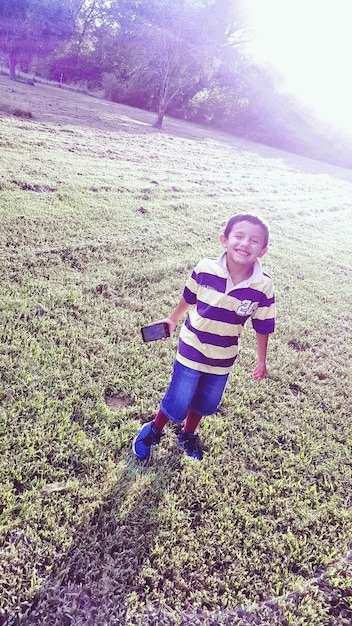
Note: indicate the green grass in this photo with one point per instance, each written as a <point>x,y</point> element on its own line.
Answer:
<point>103,218</point>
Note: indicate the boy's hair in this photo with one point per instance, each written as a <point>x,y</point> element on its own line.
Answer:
<point>253,219</point>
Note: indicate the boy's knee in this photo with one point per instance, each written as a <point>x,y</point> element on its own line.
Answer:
<point>210,409</point>
<point>177,418</point>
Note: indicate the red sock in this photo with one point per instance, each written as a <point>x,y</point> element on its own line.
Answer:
<point>160,420</point>
<point>192,421</point>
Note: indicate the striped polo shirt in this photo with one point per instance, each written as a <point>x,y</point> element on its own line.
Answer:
<point>209,337</point>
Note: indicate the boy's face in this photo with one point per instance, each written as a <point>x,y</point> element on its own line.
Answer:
<point>245,243</point>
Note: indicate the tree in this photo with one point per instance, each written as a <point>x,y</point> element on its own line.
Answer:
<point>93,49</point>
<point>30,28</point>
<point>189,48</point>
<point>171,48</point>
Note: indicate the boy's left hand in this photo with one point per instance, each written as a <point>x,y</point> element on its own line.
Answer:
<point>259,371</point>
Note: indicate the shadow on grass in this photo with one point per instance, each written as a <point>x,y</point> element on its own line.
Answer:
<point>91,584</point>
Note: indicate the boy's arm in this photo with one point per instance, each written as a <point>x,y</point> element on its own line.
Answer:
<point>259,371</point>
<point>179,311</point>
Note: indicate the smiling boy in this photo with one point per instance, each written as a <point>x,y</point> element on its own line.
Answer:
<point>219,297</point>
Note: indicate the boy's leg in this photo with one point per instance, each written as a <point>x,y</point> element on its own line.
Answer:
<point>192,421</point>
<point>180,393</point>
<point>188,436</point>
<point>205,402</point>
<point>160,420</point>
<point>209,394</point>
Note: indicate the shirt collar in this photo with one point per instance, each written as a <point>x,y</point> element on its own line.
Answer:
<point>257,274</point>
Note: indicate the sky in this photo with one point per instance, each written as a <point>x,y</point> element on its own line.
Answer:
<point>310,43</point>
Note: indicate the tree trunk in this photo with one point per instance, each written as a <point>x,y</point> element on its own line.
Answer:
<point>159,120</point>
<point>12,66</point>
<point>161,112</point>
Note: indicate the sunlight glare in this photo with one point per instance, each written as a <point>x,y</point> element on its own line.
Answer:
<point>309,43</point>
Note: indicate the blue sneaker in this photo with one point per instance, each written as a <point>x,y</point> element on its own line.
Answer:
<point>190,442</point>
<point>147,436</point>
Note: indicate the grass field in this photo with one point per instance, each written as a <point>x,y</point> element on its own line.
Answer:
<point>102,219</point>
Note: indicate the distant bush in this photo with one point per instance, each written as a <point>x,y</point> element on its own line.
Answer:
<point>127,91</point>
<point>22,113</point>
<point>113,90</point>
<point>7,110</point>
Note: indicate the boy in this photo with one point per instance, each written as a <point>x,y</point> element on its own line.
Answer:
<point>220,295</point>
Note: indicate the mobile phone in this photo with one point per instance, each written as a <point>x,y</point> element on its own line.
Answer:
<point>155,331</point>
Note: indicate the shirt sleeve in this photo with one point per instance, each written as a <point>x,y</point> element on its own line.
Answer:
<point>191,287</point>
<point>263,318</point>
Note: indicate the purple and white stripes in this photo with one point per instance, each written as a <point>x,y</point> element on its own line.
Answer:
<point>209,337</point>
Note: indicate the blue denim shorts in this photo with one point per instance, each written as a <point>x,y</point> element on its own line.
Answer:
<point>190,389</point>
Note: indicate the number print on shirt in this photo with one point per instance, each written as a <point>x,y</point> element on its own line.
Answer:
<point>247,307</point>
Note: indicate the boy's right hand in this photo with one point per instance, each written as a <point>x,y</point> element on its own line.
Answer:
<point>170,323</point>
<point>179,311</point>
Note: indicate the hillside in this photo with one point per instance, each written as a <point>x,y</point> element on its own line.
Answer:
<point>103,218</point>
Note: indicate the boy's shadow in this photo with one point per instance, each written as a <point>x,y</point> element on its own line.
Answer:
<point>91,583</point>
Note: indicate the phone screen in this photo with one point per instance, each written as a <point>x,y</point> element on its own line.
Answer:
<point>155,332</point>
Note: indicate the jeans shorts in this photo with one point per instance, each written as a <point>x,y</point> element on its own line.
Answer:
<point>190,389</point>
